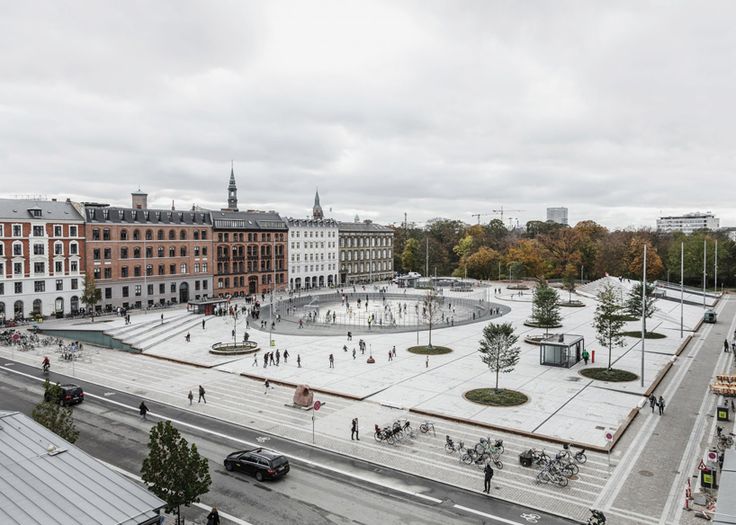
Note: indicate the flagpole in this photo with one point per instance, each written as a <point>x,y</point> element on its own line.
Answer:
<point>643,311</point>
<point>682,284</point>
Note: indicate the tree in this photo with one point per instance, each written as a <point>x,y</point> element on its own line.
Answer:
<point>52,415</point>
<point>174,471</point>
<point>634,303</point>
<point>91,295</point>
<point>497,348</point>
<point>431,310</point>
<point>568,280</point>
<point>608,319</point>
<point>481,263</point>
<point>410,255</point>
<point>546,307</point>
<point>634,258</point>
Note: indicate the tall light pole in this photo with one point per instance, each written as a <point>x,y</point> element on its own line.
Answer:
<point>682,284</point>
<point>643,311</point>
<point>273,283</point>
<point>426,263</point>
<point>715,270</point>
<point>705,252</point>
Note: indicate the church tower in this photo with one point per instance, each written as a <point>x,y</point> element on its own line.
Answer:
<point>232,192</point>
<point>317,209</point>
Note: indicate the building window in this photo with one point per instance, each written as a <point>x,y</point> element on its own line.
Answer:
<point>58,266</point>
<point>204,285</point>
<point>96,273</point>
<point>172,235</point>
<point>108,293</point>
<point>96,254</point>
<point>149,270</point>
<point>38,231</point>
<point>106,234</point>
<point>196,267</point>
<point>17,230</point>
<point>136,253</point>
<point>39,267</point>
<point>183,268</point>
<point>160,251</point>
<point>75,284</point>
<point>39,286</point>
<point>19,287</point>
<point>149,252</point>
<point>161,288</point>
<point>58,248</point>
<point>17,248</point>
<point>39,249</point>
<point>182,235</point>
<point>183,251</point>
<point>123,253</point>
<point>196,285</point>
<point>57,231</point>
<point>73,266</point>
<point>160,235</point>
<point>204,267</point>
<point>137,290</point>
<point>108,254</point>
<point>136,271</point>
<point>123,235</point>
<point>136,236</point>
<point>149,235</point>
<point>59,285</point>
<point>172,269</point>
<point>123,271</point>
<point>204,235</point>
<point>196,251</point>
<point>125,291</point>
<point>95,234</point>
<point>108,273</point>
<point>149,289</point>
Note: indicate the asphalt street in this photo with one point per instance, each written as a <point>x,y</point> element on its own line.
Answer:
<point>322,487</point>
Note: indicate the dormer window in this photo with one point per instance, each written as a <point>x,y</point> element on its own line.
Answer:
<point>35,212</point>
<point>106,214</point>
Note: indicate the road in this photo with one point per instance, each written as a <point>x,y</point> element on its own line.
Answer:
<point>322,488</point>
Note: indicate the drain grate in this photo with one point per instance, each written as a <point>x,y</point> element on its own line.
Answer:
<point>646,473</point>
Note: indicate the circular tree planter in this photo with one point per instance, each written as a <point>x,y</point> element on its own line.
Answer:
<point>426,350</point>
<point>491,397</point>
<point>234,348</point>
<point>517,287</point>
<point>648,335</point>
<point>572,304</point>
<point>614,375</point>
<point>532,324</point>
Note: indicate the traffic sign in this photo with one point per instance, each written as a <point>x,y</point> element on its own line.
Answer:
<point>317,404</point>
<point>609,436</point>
<point>712,456</point>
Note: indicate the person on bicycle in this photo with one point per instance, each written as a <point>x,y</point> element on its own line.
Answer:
<point>46,363</point>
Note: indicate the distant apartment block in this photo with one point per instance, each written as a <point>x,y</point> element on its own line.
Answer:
<point>688,223</point>
<point>558,215</point>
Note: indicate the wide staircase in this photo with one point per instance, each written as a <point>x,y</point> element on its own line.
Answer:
<point>144,335</point>
<point>592,288</point>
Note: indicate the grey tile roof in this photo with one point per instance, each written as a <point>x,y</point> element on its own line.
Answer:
<point>248,220</point>
<point>18,209</point>
<point>368,227</point>
<point>291,221</point>
<point>108,215</point>
<point>68,488</point>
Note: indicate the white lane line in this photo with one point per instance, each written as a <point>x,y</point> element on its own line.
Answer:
<point>200,505</point>
<point>490,516</point>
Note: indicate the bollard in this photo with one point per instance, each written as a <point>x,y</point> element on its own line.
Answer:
<point>592,356</point>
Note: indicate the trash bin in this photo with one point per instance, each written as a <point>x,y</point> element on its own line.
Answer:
<point>525,458</point>
<point>723,409</point>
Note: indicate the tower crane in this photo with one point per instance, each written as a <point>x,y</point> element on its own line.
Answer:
<point>501,210</point>
<point>479,215</point>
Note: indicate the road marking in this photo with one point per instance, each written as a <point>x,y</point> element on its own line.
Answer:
<point>486,515</point>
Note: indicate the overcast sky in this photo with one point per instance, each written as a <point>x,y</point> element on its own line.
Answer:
<point>619,111</point>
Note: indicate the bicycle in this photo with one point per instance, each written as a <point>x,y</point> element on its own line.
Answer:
<point>451,447</point>
<point>724,442</point>
<point>426,427</point>
<point>596,518</point>
<point>485,445</point>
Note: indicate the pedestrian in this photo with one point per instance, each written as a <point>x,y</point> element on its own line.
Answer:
<point>660,404</point>
<point>354,429</point>
<point>393,350</point>
<point>488,475</point>
<point>353,352</point>
<point>286,355</point>
<point>255,360</point>
<point>586,356</point>
<point>213,518</point>
<point>278,357</point>
<point>202,324</point>
<point>190,397</point>
<point>201,395</point>
<point>652,402</point>
<point>143,410</point>
<point>267,385</point>
<point>426,362</point>
<point>725,345</point>
<point>332,361</point>
<point>390,355</point>
<point>162,318</point>
<point>350,336</point>
<point>298,361</point>
<point>271,360</point>
<point>188,337</point>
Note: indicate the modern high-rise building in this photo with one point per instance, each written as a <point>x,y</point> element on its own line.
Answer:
<point>688,223</point>
<point>558,215</point>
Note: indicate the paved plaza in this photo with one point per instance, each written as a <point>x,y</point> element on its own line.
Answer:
<point>563,405</point>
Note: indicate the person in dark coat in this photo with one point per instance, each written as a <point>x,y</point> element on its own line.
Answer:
<point>488,475</point>
<point>201,395</point>
<point>354,429</point>
<point>652,402</point>
<point>143,410</point>
<point>660,404</point>
<point>213,518</point>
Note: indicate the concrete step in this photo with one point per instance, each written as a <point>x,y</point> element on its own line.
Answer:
<point>175,331</point>
<point>140,338</point>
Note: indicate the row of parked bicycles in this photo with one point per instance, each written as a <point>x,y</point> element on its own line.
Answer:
<point>487,450</point>
<point>560,468</point>
<point>399,431</point>
<point>26,341</point>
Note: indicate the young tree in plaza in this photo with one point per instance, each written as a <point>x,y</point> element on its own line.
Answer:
<point>568,280</point>
<point>609,319</point>
<point>431,310</point>
<point>174,471</point>
<point>634,305</point>
<point>91,295</point>
<point>546,307</point>
<point>497,348</point>
<point>52,415</point>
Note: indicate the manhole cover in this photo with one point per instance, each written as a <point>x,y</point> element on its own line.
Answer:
<point>646,473</point>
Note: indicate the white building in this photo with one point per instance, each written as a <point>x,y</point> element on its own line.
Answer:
<point>313,253</point>
<point>688,223</point>
<point>41,258</point>
<point>558,215</point>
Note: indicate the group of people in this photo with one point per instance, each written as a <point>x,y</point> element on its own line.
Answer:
<point>658,403</point>
<point>274,358</point>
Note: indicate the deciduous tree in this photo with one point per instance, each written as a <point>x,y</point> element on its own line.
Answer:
<point>497,348</point>
<point>546,307</point>
<point>608,319</point>
<point>49,413</point>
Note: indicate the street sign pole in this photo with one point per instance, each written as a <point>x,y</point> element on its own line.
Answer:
<point>609,438</point>
<point>315,408</point>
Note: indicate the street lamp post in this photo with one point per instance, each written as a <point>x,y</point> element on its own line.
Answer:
<point>682,285</point>
<point>643,311</point>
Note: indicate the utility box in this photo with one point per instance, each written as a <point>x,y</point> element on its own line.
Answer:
<point>723,409</point>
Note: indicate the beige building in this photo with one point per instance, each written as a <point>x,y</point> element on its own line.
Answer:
<point>366,252</point>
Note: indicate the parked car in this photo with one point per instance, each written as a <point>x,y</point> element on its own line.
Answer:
<point>70,395</point>
<point>259,462</point>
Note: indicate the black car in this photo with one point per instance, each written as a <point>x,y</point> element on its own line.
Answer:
<point>70,395</point>
<point>259,462</point>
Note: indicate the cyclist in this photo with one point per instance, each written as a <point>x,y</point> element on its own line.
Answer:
<point>46,364</point>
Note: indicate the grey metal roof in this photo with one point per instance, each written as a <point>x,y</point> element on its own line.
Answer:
<point>107,215</point>
<point>19,209</point>
<point>291,221</point>
<point>726,508</point>
<point>66,488</point>
<point>369,227</point>
<point>248,220</point>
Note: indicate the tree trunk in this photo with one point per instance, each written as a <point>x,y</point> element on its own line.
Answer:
<point>496,379</point>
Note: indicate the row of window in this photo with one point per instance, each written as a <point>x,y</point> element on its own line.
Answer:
<point>311,233</point>
<point>160,235</point>
<point>360,242</point>
<point>160,252</point>
<point>364,267</point>
<point>106,273</point>
<point>40,286</point>
<point>251,251</point>
<point>360,255</point>
<point>251,237</point>
<point>40,248</point>
<point>39,268</point>
<point>39,230</point>
<point>150,289</point>
<point>312,245</point>
<point>314,268</point>
<point>224,282</point>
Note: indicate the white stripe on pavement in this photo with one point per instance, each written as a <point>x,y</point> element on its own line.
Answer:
<point>491,516</point>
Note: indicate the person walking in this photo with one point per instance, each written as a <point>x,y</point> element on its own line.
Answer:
<point>353,353</point>
<point>255,360</point>
<point>390,355</point>
<point>202,324</point>
<point>298,361</point>
<point>350,336</point>
<point>190,397</point>
<point>488,476</point>
<point>586,356</point>
<point>426,362</point>
<point>162,318</point>
<point>660,404</point>
<point>725,345</point>
<point>354,429</point>
<point>332,361</point>
<point>201,395</point>
<point>143,410</point>
<point>213,518</point>
<point>652,402</point>
<point>278,357</point>
<point>286,356</point>
<point>267,386</point>
<point>393,350</point>
<point>271,360</point>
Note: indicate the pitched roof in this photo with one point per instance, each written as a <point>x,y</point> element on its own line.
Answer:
<point>104,214</point>
<point>248,220</point>
<point>365,226</point>
<point>44,479</point>
<point>20,209</point>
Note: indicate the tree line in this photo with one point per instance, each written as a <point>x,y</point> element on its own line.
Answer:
<point>548,250</point>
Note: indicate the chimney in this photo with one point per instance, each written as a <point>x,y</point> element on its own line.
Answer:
<point>139,200</point>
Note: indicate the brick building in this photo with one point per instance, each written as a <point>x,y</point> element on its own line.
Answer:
<point>41,258</point>
<point>250,249</point>
<point>366,252</point>
<point>140,256</point>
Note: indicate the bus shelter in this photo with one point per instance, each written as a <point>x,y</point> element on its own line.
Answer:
<point>207,306</point>
<point>561,350</point>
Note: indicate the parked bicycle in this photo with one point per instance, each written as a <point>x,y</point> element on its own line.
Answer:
<point>596,518</point>
<point>550,474</point>
<point>487,445</point>
<point>578,456</point>
<point>426,427</point>
<point>453,446</point>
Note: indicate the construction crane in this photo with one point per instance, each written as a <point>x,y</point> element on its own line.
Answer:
<point>479,215</point>
<point>501,210</point>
